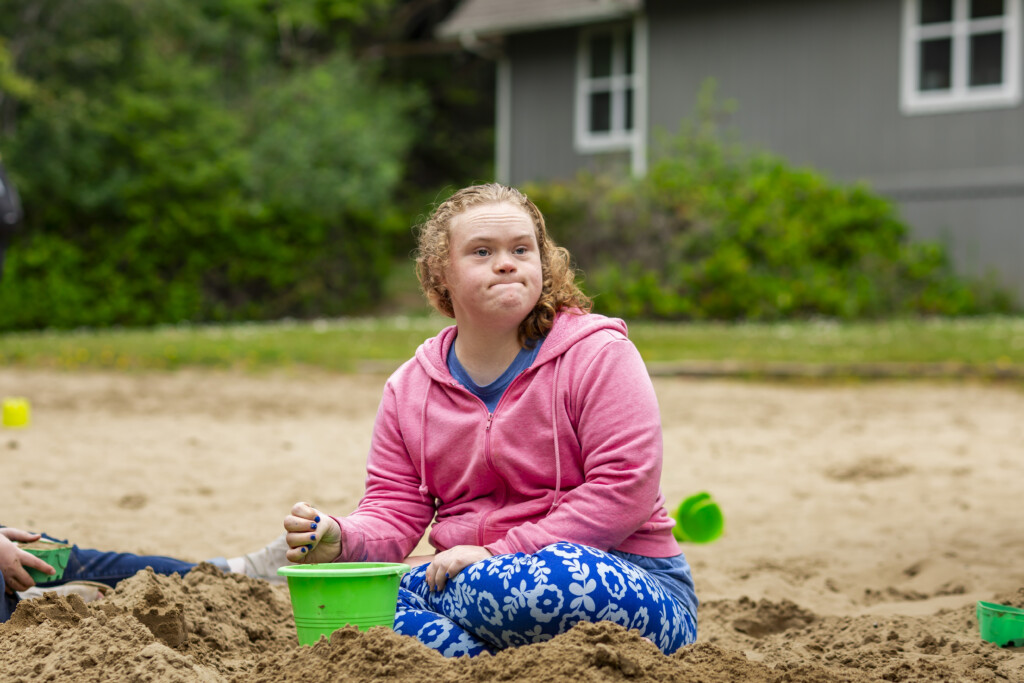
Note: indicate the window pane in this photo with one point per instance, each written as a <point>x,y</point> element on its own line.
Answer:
<point>629,52</point>
<point>629,109</point>
<point>936,11</point>
<point>987,59</point>
<point>601,56</point>
<point>600,112</point>
<point>986,8</point>
<point>936,60</point>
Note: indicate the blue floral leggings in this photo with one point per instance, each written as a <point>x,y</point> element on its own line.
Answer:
<point>511,600</point>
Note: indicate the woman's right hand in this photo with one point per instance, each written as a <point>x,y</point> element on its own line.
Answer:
<point>312,536</point>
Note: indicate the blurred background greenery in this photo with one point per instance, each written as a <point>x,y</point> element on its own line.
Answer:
<point>195,162</point>
<point>212,160</point>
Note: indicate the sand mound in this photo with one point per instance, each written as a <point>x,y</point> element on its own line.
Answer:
<point>940,647</point>
<point>209,626</point>
<point>205,626</point>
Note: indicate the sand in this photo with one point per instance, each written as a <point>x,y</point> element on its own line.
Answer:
<point>863,523</point>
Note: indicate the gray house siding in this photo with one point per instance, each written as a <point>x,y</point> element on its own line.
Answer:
<point>813,80</point>
<point>826,94</point>
<point>543,87</point>
<point>816,81</point>
<point>543,70</point>
<point>985,234</point>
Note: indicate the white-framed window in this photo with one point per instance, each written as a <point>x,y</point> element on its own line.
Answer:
<point>606,91</point>
<point>960,54</point>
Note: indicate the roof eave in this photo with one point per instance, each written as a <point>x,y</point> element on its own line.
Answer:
<point>473,31</point>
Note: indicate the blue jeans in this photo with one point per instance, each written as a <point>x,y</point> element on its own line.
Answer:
<point>85,564</point>
<point>510,600</point>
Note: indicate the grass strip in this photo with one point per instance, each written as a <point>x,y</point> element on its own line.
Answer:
<point>355,344</point>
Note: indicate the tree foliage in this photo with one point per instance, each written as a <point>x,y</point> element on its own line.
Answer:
<point>200,159</point>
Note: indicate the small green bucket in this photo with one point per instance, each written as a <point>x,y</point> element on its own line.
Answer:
<point>326,597</point>
<point>1001,624</point>
<point>699,519</point>
<point>54,554</point>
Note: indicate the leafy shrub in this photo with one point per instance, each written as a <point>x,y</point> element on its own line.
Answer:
<point>714,233</point>
<point>161,183</point>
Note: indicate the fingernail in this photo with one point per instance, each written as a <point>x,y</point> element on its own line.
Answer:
<point>317,518</point>
<point>303,548</point>
<point>313,526</point>
<point>312,537</point>
<point>447,576</point>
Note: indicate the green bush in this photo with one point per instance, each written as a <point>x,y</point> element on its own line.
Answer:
<point>714,233</point>
<point>167,179</point>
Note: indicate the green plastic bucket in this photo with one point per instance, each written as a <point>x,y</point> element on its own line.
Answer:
<point>1001,624</point>
<point>54,554</point>
<point>698,519</point>
<point>326,597</point>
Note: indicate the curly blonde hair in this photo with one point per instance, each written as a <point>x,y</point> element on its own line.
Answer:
<point>558,292</point>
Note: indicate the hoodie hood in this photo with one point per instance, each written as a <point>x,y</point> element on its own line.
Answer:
<point>569,328</point>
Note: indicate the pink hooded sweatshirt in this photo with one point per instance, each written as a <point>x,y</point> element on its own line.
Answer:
<point>572,452</point>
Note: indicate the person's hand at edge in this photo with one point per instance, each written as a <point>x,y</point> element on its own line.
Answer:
<point>312,536</point>
<point>13,560</point>
<point>447,564</point>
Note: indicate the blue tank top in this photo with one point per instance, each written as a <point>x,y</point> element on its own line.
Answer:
<point>492,393</point>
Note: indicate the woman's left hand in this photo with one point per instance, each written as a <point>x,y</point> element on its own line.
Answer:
<point>446,565</point>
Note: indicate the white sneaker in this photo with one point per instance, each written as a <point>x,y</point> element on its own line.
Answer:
<point>89,591</point>
<point>264,563</point>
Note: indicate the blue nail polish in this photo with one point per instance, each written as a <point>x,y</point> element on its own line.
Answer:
<point>446,575</point>
<point>303,548</point>
<point>312,526</point>
<point>312,537</point>
<point>317,518</point>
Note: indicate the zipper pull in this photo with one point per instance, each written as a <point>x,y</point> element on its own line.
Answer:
<point>490,416</point>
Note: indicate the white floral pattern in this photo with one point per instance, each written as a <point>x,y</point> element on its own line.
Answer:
<point>435,632</point>
<point>567,550</point>
<point>612,580</point>
<point>463,644</point>
<point>537,635</point>
<point>640,620</point>
<point>570,619</point>
<point>583,588</point>
<point>539,569</point>
<point>489,609</point>
<point>516,598</point>
<point>511,600</point>
<point>545,602</point>
<point>614,614</point>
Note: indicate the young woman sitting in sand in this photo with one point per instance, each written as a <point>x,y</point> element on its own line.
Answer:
<point>529,434</point>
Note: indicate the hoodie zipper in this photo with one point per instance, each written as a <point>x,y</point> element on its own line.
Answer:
<point>490,460</point>
<point>487,448</point>
<point>487,451</point>
<point>490,463</point>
